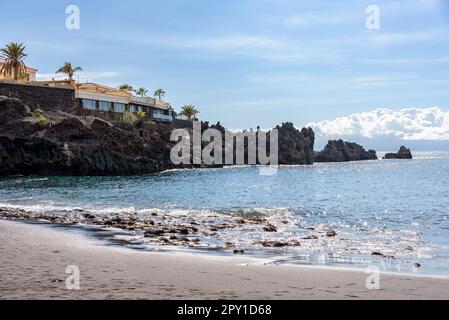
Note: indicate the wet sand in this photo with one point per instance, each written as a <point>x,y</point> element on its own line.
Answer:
<point>33,261</point>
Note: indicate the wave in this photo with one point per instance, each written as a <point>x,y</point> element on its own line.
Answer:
<point>316,235</point>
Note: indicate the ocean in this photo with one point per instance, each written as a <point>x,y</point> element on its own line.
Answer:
<point>388,214</point>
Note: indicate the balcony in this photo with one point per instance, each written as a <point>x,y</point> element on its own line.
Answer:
<point>182,117</point>
<point>144,100</point>
<point>162,117</point>
<point>162,105</point>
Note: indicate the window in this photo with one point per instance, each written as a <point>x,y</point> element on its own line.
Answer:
<point>119,107</point>
<point>89,104</point>
<point>133,108</point>
<point>159,112</point>
<point>105,106</point>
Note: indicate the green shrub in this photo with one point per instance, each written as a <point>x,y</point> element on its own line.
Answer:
<point>39,115</point>
<point>129,117</point>
<point>141,115</point>
<point>41,118</point>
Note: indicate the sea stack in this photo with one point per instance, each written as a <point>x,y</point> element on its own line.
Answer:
<point>341,151</point>
<point>403,154</point>
<point>295,146</point>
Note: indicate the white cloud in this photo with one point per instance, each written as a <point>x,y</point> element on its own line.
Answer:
<point>408,124</point>
<point>217,43</point>
<point>404,61</point>
<point>234,42</point>
<point>430,2</point>
<point>313,19</point>
<point>400,38</point>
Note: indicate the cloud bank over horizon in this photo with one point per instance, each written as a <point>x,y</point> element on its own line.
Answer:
<point>384,128</point>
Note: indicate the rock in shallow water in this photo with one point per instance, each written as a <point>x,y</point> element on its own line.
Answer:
<point>331,234</point>
<point>378,254</point>
<point>341,151</point>
<point>402,154</point>
<point>270,228</point>
<point>279,244</point>
<point>153,233</point>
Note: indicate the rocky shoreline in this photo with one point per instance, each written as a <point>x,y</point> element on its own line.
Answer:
<point>49,143</point>
<point>210,231</point>
<point>43,143</point>
<point>193,231</point>
<point>36,258</point>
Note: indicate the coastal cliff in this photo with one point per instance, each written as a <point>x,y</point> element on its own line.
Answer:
<point>52,142</point>
<point>295,146</point>
<point>58,143</point>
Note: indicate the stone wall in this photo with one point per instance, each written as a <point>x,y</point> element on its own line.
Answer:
<point>41,96</point>
<point>182,124</point>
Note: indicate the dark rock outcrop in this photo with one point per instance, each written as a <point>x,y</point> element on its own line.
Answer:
<point>59,143</point>
<point>11,110</point>
<point>403,154</point>
<point>62,144</point>
<point>341,151</point>
<point>295,146</point>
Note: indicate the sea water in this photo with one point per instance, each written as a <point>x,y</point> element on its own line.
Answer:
<point>399,208</point>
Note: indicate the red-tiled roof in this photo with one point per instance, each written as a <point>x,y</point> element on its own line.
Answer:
<point>2,61</point>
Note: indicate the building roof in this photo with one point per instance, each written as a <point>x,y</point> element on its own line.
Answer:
<point>2,61</point>
<point>90,88</point>
<point>98,87</point>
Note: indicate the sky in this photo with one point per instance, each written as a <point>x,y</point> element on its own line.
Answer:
<point>251,63</point>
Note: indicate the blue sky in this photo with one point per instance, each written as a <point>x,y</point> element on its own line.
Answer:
<point>249,62</point>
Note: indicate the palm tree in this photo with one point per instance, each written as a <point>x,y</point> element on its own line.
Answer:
<point>159,93</point>
<point>141,92</point>
<point>189,111</point>
<point>126,87</point>
<point>13,55</point>
<point>68,70</point>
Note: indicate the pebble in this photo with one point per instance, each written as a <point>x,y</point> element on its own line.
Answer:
<point>184,231</point>
<point>382,255</point>
<point>154,232</point>
<point>312,237</point>
<point>270,228</point>
<point>331,234</point>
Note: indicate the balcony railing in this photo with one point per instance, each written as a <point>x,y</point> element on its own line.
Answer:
<point>144,100</point>
<point>162,117</point>
<point>162,105</point>
<point>182,117</point>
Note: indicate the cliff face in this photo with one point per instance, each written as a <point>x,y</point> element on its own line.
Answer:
<point>63,144</point>
<point>340,151</point>
<point>402,154</point>
<point>58,143</point>
<point>295,146</point>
